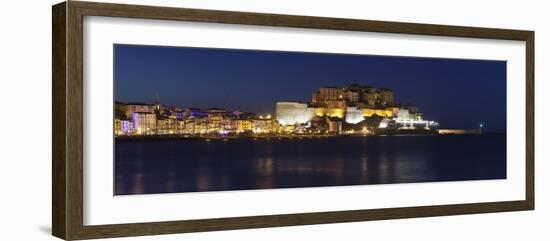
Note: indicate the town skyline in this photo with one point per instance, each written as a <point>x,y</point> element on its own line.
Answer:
<point>158,98</point>
<point>349,110</point>
<point>253,81</point>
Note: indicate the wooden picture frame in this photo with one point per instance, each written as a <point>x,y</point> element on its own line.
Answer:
<point>67,124</point>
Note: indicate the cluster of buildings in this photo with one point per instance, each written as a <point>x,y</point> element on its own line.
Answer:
<point>350,104</point>
<point>157,119</point>
<point>332,110</point>
<point>347,109</point>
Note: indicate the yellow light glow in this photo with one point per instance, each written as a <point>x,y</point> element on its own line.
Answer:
<point>320,111</point>
<point>368,112</point>
<point>336,112</point>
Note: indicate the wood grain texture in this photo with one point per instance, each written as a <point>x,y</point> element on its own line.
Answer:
<point>122,230</point>
<point>74,121</point>
<point>67,182</point>
<point>59,127</point>
<point>530,120</point>
<point>280,20</point>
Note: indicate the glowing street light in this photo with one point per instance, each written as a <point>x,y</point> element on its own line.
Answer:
<point>480,128</point>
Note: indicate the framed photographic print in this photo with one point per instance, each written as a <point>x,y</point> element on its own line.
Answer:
<point>171,120</point>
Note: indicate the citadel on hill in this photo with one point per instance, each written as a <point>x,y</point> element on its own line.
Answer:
<point>352,109</point>
<point>351,104</point>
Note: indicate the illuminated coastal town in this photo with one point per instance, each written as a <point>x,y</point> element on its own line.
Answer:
<point>193,119</point>
<point>337,110</point>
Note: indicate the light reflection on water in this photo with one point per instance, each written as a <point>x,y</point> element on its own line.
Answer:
<point>203,180</point>
<point>138,183</point>
<point>161,166</point>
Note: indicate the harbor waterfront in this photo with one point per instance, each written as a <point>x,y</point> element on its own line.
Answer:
<point>165,165</point>
<point>189,119</point>
<point>337,110</point>
<point>346,135</point>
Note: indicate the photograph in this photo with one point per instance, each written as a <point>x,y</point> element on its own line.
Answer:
<point>194,119</point>
<point>267,121</point>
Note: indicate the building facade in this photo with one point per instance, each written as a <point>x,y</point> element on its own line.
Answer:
<point>293,113</point>
<point>167,126</point>
<point>354,115</point>
<point>139,108</point>
<point>145,123</point>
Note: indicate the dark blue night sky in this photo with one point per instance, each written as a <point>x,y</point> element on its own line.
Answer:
<point>456,93</point>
